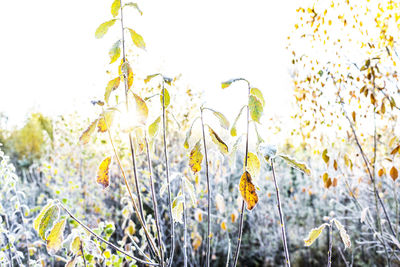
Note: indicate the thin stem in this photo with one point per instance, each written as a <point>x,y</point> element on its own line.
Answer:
<point>103,240</point>
<point>83,255</point>
<point>281,216</point>
<point>167,174</point>
<point>184,224</point>
<point>235,259</point>
<point>330,244</point>
<point>155,205</point>
<point>208,194</point>
<point>139,249</point>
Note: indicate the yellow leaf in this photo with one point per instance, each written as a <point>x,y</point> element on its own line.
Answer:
<point>103,28</point>
<point>141,108</point>
<point>102,173</point>
<point>196,158</point>
<point>126,70</point>
<point>105,121</point>
<point>116,5</point>
<point>253,164</point>
<point>314,234</point>
<point>248,190</point>
<point>111,86</point>
<point>223,121</point>
<point>343,234</point>
<point>47,219</point>
<point>381,172</point>
<point>56,237</point>
<point>297,165</point>
<point>38,219</point>
<point>233,129</point>
<point>223,226</point>
<point>394,173</point>
<point>115,51</point>
<point>227,83</point>
<point>198,215</point>
<point>137,39</point>
<point>197,239</point>
<point>153,128</point>
<point>166,99</point>
<point>75,246</point>
<point>325,156</point>
<point>135,5</point>
<point>256,108</point>
<point>85,137</point>
<point>149,77</point>
<point>218,141</point>
<point>177,209</point>
<point>335,165</point>
<point>256,92</point>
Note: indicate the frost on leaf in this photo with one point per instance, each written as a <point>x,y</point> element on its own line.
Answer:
<point>115,51</point>
<point>256,108</point>
<point>314,234</point>
<point>45,219</point>
<point>256,92</point>
<point>177,209</point>
<point>343,234</point>
<point>103,28</point>
<point>253,164</point>
<point>195,158</point>
<point>248,190</point>
<point>56,237</point>
<point>85,137</point>
<point>218,141</point>
<point>297,165</point>
<point>154,127</point>
<point>105,121</point>
<point>102,174</point>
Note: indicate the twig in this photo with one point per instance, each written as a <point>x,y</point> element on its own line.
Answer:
<point>102,239</point>
<point>83,255</point>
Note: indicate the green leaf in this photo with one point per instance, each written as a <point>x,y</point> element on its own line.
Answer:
<point>256,92</point>
<point>297,165</point>
<point>56,237</point>
<point>154,127</point>
<point>115,51</point>
<point>116,5</point>
<point>233,129</point>
<point>103,28</point>
<point>137,39</point>
<point>111,86</point>
<point>38,219</point>
<point>47,219</point>
<point>134,5</point>
<point>218,141</point>
<point>167,98</point>
<point>256,108</point>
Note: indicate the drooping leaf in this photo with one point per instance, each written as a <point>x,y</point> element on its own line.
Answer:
<point>197,239</point>
<point>137,39</point>
<point>134,5</point>
<point>256,108</point>
<point>166,98</point>
<point>256,92</point>
<point>115,51</point>
<point>297,165</point>
<point>234,149</point>
<point>227,83</point>
<point>75,246</point>
<point>38,219</point>
<point>141,108</point>
<point>85,137</point>
<point>325,156</point>
<point>343,234</point>
<point>102,173</point>
<point>233,129</point>
<point>314,234</point>
<point>116,5</point>
<point>218,141</point>
<point>248,190</point>
<point>105,121</point>
<point>327,180</point>
<point>47,220</point>
<point>111,86</point>
<point>253,164</point>
<point>149,77</point>
<point>196,157</point>
<point>125,69</point>
<point>394,173</point>
<point>190,189</point>
<point>56,237</point>
<point>223,121</point>
<point>103,28</point>
<point>154,127</point>
<point>177,209</point>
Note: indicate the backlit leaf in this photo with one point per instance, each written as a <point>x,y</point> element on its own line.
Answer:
<point>233,129</point>
<point>105,121</point>
<point>115,51</point>
<point>343,234</point>
<point>135,5</point>
<point>256,108</point>
<point>56,237</point>
<point>149,77</point>
<point>141,108</point>
<point>166,98</point>
<point>46,222</point>
<point>103,28</point>
<point>154,127</point>
<point>111,86</point>
<point>248,190</point>
<point>223,121</point>
<point>253,164</point>
<point>394,173</point>
<point>314,234</point>
<point>137,39</point>
<point>85,137</point>
<point>325,156</point>
<point>218,141</point>
<point>190,189</point>
<point>38,219</point>
<point>125,69</point>
<point>116,5</point>
<point>196,158</point>
<point>227,83</point>
<point>102,173</point>
<point>75,246</point>
<point>297,165</point>
<point>256,92</point>
<point>177,209</point>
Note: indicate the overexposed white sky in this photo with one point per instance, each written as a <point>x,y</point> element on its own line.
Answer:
<point>51,62</point>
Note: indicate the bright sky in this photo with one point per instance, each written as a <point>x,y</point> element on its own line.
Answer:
<point>51,61</point>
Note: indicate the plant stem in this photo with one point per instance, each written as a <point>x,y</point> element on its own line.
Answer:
<point>167,174</point>
<point>184,224</point>
<point>235,259</point>
<point>83,255</point>
<point>155,205</point>
<point>103,240</point>
<point>208,194</point>
<point>136,178</point>
<point>330,244</point>
<point>285,247</point>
